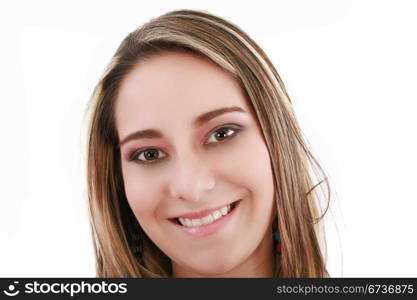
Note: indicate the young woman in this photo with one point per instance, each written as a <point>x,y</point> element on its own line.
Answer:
<point>196,165</point>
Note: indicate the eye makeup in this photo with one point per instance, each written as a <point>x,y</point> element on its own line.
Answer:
<point>231,130</point>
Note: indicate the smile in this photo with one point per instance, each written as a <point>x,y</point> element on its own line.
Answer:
<point>208,222</point>
<point>210,218</point>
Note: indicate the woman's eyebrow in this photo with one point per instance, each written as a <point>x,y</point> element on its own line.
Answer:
<point>199,121</point>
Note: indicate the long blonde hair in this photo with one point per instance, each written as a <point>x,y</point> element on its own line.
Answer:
<point>122,249</point>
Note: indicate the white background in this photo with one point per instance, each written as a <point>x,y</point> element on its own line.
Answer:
<point>350,68</point>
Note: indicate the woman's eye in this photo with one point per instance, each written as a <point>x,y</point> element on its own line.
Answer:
<point>151,155</point>
<point>222,134</point>
<point>147,156</point>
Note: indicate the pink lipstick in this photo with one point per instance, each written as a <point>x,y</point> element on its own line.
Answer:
<point>206,222</point>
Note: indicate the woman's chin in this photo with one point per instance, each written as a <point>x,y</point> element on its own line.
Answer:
<point>208,266</point>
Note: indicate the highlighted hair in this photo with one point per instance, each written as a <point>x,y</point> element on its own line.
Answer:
<point>122,249</point>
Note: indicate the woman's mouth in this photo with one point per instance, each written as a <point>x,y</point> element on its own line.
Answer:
<point>208,224</point>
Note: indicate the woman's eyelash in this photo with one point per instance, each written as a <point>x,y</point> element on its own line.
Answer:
<point>235,131</point>
<point>224,129</point>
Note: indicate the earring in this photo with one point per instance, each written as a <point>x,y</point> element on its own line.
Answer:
<point>275,235</point>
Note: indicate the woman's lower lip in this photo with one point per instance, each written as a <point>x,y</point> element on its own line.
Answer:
<point>212,228</point>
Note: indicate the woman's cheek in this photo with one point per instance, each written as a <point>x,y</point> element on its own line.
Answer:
<point>140,194</point>
<point>247,157</point>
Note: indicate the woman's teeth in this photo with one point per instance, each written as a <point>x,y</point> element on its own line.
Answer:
<point>207,219</point>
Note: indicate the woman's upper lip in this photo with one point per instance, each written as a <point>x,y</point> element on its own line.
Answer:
<point>202,213</point>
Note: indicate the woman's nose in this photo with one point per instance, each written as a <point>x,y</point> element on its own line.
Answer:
<point>191,179</point>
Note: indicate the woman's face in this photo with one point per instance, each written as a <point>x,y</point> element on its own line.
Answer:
<point>190,146</point>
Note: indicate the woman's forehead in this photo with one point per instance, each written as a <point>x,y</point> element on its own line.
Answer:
<point>174,85</point>
<point>176,75</point>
